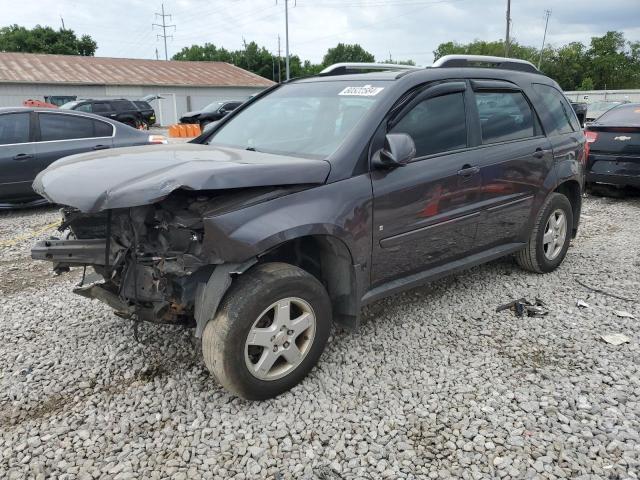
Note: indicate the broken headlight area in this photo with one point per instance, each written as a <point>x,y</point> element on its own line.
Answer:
<point>148,259</point>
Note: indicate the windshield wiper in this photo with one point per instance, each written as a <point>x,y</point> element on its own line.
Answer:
<point>251,149</point>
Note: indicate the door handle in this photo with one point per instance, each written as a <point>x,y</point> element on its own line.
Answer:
<point>539,153</point>
<point>468,170</point>
<point>23,156</point>
<point>101,147</point>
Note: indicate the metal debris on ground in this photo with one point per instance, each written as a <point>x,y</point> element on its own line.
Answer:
<point>582,304</point>
<point>519,307</point>
<point>616,339</point>
<point>623,314</point>
<point>603,292</point>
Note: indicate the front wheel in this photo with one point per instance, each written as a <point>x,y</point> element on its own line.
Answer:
<point>549,240</point>
<point>269,331</point>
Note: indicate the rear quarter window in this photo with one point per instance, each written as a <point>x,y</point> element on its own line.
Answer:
<point>121,105</point>
<point>557,115</point>
<point>504,116</point>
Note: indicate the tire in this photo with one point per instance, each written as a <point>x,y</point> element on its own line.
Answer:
<point>535,257</point>
<point>248,308</point>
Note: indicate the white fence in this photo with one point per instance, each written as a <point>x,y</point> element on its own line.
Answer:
<point>590,96</point>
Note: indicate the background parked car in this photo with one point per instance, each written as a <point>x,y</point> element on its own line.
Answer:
<point>120,109</point>
<point>581,111</point>
<point>613,142</point>
<point>31,139</point>
<point>147,111</point>
<point>598,108</point>
<point>211,113</point>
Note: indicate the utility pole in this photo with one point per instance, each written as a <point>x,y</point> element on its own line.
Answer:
<point>62,20</point>
<point>544,37</point>
<point>506,41</point>
<point>279,69</point>
<point>246,54</point>
<point>164,27</point>
<point>286,41</point>
<point>157,56</point>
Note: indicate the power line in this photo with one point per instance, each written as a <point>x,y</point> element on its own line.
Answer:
<point>164,27</point>
<point>544,37</point>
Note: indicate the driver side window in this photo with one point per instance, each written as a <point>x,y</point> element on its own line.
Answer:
<point>436,125</point>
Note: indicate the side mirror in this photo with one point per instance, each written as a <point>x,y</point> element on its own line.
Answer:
<point>399,149</point>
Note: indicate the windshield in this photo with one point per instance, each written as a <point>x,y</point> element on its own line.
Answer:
<point>212,107</point>
<point>301,119</point>
<point>69,105</point>
<point>623,115</point>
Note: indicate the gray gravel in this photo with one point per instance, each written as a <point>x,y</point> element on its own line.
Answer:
<point>436,384</point>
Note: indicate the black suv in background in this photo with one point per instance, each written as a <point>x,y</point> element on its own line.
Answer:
<point>121,109</point>
<point>211,113</point>
<point>319,196</point>
<point>147,112</point>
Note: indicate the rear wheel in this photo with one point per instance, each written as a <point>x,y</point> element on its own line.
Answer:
<point>549,240</point>
<point>269,331</point>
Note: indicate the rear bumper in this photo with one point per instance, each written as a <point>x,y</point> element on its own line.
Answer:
<point>614,169</point>
<point>631,180</point>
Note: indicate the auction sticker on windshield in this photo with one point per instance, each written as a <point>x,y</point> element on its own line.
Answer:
<point>366,91</point>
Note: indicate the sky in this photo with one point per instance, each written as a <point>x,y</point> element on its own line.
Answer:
<point>400,29</point>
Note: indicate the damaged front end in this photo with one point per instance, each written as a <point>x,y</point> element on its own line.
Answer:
<point>149,260</point>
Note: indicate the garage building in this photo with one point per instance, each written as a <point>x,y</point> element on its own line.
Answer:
<point>183,86</point>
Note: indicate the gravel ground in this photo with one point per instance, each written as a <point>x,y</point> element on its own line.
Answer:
<point>435,385</point>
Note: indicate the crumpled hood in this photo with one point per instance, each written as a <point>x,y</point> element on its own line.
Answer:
<point>191,114</point>
<point>133,176</point>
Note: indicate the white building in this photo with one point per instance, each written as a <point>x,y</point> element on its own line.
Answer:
<point>183,86</point>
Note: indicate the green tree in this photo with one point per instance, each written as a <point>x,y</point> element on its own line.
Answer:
<point>608,62</point>
<point>253,58</point>
<point>15,38</point>
<point>587,84</point>
<point>347,53</point>
<point>481,47</point>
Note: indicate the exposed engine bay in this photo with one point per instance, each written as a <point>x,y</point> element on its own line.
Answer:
<point>149,261</point>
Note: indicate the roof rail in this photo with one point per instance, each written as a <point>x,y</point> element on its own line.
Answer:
<point>493,62</point>
<point>351,67</point>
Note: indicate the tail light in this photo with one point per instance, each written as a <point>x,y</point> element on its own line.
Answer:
<point>158,139</point>
<point>591,137</point>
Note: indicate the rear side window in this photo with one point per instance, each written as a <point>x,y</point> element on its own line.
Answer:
<point>121,105</point>
<point>558,116</point>
<point>100,107</point>
<point>102,129</point>
<point>14,128</point>
<point>64,127</point>
<point>504,116</point>
<point>436,125</point>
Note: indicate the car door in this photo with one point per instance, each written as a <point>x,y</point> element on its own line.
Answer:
<point>515,159</point>
<point>61,135</point>
<point>17,156</point>
<point>561,124</point>
<point>425,213</point>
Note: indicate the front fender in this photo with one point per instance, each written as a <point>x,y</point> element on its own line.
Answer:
<point>342,209</point>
